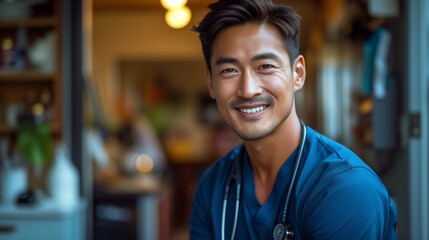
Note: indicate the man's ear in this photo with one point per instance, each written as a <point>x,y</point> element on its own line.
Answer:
<point>210,83</point>
<point>299,73</point>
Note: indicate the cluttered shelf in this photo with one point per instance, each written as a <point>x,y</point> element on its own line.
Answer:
<point>30,64</point>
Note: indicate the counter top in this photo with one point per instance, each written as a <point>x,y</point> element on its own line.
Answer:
<point>45,210</point>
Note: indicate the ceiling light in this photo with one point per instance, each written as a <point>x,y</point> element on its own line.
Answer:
<point>172,4</point>
<point>178,18</point>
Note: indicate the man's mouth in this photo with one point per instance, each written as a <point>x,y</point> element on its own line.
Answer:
<point>252,110</point>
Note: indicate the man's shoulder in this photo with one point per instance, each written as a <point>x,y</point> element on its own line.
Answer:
<point>218,171</point>
<point>212,182</point>
<point>329,160</point>
<point>335,184</point>
<point>331,155</point>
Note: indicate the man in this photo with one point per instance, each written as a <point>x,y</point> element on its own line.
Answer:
<point>285,177</point>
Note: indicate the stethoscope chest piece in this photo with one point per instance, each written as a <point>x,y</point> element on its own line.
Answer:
<point>283,231</point>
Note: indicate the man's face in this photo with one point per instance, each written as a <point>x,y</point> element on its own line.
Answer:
<point>253,80</point>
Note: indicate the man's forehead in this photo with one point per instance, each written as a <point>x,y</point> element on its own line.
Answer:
<point>250,34</point>
<point>246,42</point>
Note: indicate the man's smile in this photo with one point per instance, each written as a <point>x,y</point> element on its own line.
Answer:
<point>252,110</point>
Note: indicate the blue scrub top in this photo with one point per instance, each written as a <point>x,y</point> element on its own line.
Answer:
<point>337,196</point>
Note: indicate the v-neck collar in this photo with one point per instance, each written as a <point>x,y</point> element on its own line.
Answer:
<point>268,213</point>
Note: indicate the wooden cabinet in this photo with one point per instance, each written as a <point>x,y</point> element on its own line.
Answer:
<point>30,65</point>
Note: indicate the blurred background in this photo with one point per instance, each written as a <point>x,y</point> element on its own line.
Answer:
<point>106,124</point>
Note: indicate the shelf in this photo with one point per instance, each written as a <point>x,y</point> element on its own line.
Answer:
<point>25,76</point>
<point>29,23</point>
<point>5,129</point>
<point>16,86</point>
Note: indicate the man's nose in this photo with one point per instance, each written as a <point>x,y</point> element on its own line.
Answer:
<point>250,85</point>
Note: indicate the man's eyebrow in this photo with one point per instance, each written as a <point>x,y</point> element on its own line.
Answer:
<point>268,55</point>
<point>226,60</point>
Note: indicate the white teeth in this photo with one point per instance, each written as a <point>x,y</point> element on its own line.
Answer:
<point>252,110</point>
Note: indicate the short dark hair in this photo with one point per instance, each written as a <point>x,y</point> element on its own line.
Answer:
<point>226,13</point>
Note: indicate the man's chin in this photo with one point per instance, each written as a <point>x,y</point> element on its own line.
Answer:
<point>250,135</point>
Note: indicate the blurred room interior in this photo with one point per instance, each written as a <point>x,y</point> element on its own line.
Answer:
<point>106,124</point>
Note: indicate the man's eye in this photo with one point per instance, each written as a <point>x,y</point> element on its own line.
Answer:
<point>228,70</point>
<point>265,66</point>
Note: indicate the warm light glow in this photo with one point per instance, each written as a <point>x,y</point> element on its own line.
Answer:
<point>178,18</point>
<point>7,44</point>
<point>172,4</point>
<point>38,109</point>
<point>144,163</point>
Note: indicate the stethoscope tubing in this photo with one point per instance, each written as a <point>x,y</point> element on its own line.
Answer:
<point>235,174</point>
<point>237,206</point>
<point>295,170</point>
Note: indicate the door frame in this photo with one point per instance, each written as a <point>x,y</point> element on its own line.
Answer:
<point>418,78</point>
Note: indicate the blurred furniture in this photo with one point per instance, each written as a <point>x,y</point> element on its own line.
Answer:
<point>132,209</point>
<point>45,222</point>
<point>187,176</point>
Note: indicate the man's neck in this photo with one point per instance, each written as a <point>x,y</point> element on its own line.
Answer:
<point>267,155</point>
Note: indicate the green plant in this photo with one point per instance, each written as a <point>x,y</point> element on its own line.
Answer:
<point>34,142</point>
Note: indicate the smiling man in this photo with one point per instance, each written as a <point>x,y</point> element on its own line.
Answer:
<point>285,181</point>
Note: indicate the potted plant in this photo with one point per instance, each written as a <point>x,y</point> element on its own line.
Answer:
<point>34,143</point>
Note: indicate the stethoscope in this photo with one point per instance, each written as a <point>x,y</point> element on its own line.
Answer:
<point>282,229</point>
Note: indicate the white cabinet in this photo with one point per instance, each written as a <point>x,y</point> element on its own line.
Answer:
<point>45,222</point>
